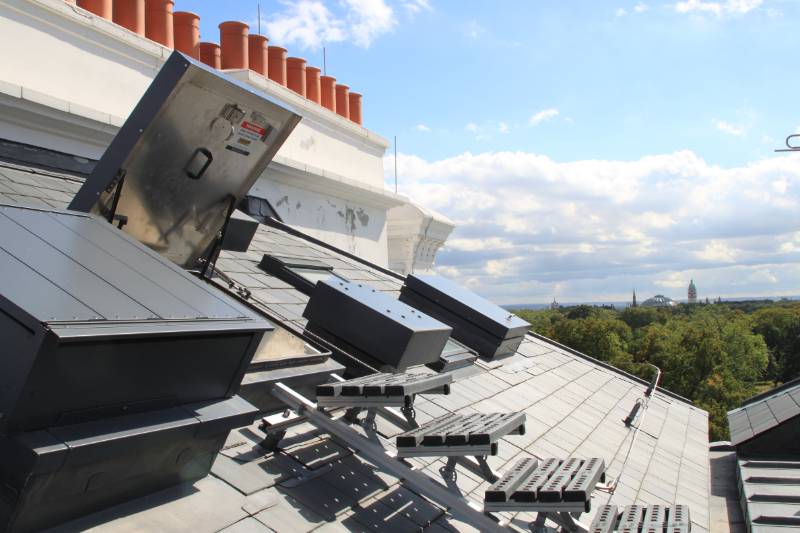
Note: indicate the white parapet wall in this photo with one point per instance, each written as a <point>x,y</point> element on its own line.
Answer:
<point>68,80</point>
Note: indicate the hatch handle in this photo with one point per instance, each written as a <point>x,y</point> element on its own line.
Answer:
<point>198,163</point>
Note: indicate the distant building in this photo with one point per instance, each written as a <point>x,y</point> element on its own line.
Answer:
<point>554,305</point>
<point>692,293</point>
<point>659,300</point>
<point>634,304</point>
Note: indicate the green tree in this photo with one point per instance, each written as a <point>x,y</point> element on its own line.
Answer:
<point>780,327</point>
<point>603,338</point>
<point>639,317</point>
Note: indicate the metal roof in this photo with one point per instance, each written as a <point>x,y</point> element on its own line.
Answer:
<point>574,405</point>
<point>764,413</point>
<point>769,491</point>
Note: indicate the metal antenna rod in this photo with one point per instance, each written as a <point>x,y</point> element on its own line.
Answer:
<point>324,62</point>
<point>395,164</point>
<point>259,18</point>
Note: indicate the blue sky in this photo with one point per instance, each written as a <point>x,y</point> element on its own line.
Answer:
<point>583,147</point>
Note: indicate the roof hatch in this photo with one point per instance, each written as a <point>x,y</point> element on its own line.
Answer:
<point>185,157</point>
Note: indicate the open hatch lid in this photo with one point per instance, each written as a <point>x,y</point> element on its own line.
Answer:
<point>188,153</point>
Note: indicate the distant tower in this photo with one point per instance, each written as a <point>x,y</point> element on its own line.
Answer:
<point>634,304</point>
<point>692,293</point>
<point>554,305</point>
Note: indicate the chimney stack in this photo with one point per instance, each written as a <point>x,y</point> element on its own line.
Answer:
<point>130,14</point>
<point>186,28</point>
<point>158,22</point>
<point>296,74</point>
<point>277,64</point>
<point>355,107</point>
<point>101,8</point>
<point>313,89</point>
<point>328,84</point>
<point>233,41</point>
<point>343,100</point>
<point>259,55</point>
<point>210,55</point>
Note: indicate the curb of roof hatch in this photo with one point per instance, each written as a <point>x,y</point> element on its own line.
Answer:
<point>610,367</point>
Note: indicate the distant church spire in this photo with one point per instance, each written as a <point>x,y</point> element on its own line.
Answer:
<point>634,304</point>
<point>692,293</point>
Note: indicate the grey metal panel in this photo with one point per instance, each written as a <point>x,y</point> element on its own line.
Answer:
<point>86,467</point>
<point>171,279</point>
<point>783,407</point>
<point>739,425</point>
<point>103,262</point>
<point>761,418</point>
<point>43,299</point>
<point>190,150</point>
<point>106,300</point>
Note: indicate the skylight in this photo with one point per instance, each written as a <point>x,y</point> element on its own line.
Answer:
<point>302,274</point>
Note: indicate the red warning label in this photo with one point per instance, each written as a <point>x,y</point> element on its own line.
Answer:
<point>258,130</point>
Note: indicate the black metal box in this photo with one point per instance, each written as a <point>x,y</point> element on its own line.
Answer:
<point>382,327</point>
<point>94,324</point>
<point>481,325</point>
<point>240,232</point>
<point>54,475</point>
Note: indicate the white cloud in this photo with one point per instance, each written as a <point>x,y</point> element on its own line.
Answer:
<point>422,127</point>
<point>502,127</point>
<point>717,251</point>
<point>471,127</point>
<point>599,227</point>
<point>730,129</point>
<point>543,116</point>
<point>414,7</point>
<point>474,30</point>
<point>310,24</point>
<point>640,7</point>
<point>673,280</point>
<point>763,276</point>
<point>368,19</point>
<point>722,7</point>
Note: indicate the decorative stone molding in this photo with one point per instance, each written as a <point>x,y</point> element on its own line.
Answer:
<point>415,235</point>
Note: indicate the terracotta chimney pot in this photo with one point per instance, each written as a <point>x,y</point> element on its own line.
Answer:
<point>233,41</point>
<point>277,64</point>
<point>101,8</point>
<point>313,89</point>
<point>130,14</point>
<point>355,107</point>
<point>296,74</point>
<point>186,27</point>
<point>343,100</point>
<point>258,54</point>
<point>328,86</point>
<point>158,22</point>
<point>210,55</point>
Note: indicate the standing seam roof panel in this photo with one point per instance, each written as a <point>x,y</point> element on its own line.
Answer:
<point>108,302</point>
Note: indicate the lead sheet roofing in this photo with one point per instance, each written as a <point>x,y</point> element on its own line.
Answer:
<point>764,412</point>
<point>574,406</point>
